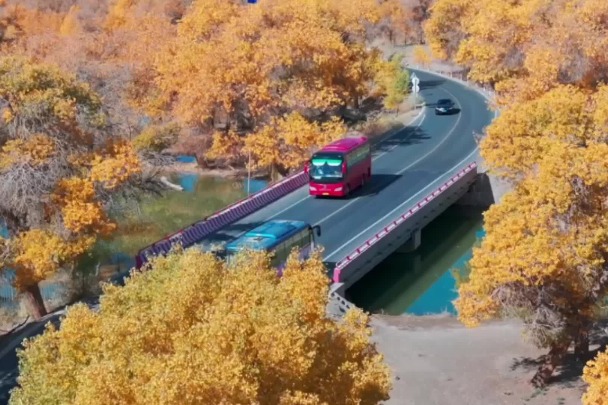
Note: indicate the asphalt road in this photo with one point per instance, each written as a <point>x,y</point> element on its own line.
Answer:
<point>405,167</point>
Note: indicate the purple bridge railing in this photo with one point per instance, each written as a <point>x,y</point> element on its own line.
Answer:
<point>345,262</point>
<point>234,212</point>
<point>191,234</point>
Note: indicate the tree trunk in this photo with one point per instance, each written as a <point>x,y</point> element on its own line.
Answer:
<point>550,363</point>
<point>34,301</point>
<point>274,173</point>
<point>581,344</point>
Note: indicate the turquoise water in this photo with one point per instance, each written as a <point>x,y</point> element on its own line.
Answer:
<point>421,282</point>
<point>442,293</point>
<point>186,159</point>
<point>189,181</point>
<point>209,191</point>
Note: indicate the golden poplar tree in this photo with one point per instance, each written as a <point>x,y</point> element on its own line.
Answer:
<point>543,258</point>
<point>241,69</point>
<point>194,330</point>
<point>59,163</point>
<point>596,375</point>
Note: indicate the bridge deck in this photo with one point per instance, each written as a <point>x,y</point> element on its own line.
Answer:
<point>406,167</point>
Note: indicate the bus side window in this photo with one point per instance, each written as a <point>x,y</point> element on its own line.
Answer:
<point>279,254</point>
<point>276,259</point>
<point>302,239</point>
<point>293,242</point>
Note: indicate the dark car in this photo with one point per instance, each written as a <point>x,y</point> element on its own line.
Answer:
<point>444,106</point>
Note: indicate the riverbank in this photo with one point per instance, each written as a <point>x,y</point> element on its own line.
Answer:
<point>436,360</point>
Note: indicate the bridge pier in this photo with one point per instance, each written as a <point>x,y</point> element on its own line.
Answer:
<point>480,195</point>
<point>412,243</point>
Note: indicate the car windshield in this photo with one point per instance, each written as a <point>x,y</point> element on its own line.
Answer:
<point>444,102</point>
<point>326,167</point>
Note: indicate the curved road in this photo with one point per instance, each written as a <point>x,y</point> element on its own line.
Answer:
<point>405,167</point>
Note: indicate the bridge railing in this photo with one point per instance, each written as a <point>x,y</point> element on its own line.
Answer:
<point>199,230</point>
<point>343,264</point>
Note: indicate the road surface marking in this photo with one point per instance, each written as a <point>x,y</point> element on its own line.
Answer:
<point>420,115</point>
<point>396,208</point>
<point>451,131</point>
<point>354,200</point>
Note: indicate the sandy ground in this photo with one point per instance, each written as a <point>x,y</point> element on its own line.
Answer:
<point>437,361</point>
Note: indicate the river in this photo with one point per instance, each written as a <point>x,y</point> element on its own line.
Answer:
<point>422,282</point>
<point>418,283</point>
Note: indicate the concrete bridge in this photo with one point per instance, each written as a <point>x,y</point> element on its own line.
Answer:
<point>417,172</point>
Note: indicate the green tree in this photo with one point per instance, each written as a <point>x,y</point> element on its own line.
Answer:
<point>393,81</point>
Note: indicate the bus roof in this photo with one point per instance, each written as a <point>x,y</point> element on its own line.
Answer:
<point>344,144</point>
<point>267,235</point>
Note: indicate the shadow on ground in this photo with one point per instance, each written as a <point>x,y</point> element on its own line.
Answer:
<point>430,84</point>
<point>571,369</point>
<point>406,136</point>
<point>374,185</point>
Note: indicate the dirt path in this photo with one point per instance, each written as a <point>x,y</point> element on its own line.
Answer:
<point>437,361</point>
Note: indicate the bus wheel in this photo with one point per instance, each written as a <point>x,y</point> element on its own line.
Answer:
<point>346,190</point>
<point>362,181</point>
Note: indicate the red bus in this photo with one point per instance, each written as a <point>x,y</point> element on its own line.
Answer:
<point>340,167</point>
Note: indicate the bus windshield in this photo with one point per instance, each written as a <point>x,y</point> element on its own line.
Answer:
<point>326,167</point>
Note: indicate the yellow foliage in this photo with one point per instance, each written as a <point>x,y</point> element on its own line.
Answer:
<point>56,155</point>
<point>288,141</point>
<point>39,91</point>
<point>540,43</point>
<point>543,255</point>
<point>70,24</point>
<point>518,139</point>
<point>421,56</point>
<point>156,138</point>
<point>35,151</point>
<point>233,334</point>
<point>447,25</point>
<point>118,14</point>
<point>115,165</point>
<point>225,145</point>
<point>81,213</point>
<point>265,62</point>
<point>37,254</point>
<point>596,375</point>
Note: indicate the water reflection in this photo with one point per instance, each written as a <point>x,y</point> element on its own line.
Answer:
<point>420,282</point>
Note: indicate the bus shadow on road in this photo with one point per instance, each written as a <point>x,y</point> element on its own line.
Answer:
<point>406,136</point>
<point>376,184</point>
<point>429,84</point>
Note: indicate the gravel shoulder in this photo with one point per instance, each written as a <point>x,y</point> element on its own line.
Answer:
<point>437,361</point>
